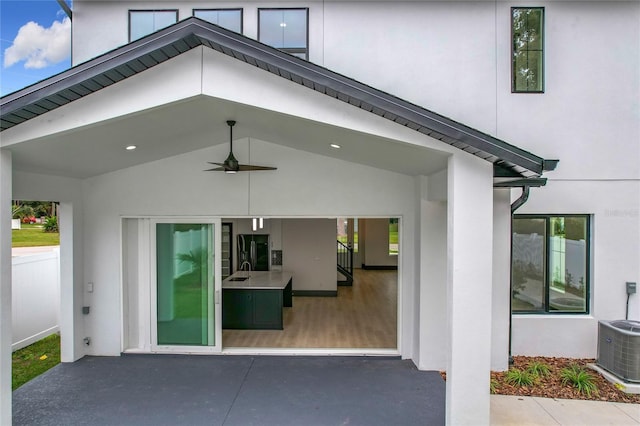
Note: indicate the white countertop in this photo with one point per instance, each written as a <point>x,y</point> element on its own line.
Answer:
<point>257,280</point>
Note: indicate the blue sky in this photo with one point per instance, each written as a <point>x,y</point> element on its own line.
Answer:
<point>35,42</point>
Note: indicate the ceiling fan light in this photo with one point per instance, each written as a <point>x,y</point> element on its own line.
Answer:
<point>230,171</point>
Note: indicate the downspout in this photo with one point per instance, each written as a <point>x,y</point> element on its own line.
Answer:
<point>516,205</point>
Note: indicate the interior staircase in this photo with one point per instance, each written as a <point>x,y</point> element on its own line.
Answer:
<point>345,264</point>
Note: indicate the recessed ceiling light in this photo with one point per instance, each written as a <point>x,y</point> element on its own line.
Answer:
<point>131,147</point>
<point>335,146</point>
<point>283,24</point>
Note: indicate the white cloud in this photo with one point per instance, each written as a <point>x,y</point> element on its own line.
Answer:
<point>40,47</point>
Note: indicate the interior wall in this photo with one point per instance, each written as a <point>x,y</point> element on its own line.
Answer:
<point>376,242</point>
<point>309,251</point>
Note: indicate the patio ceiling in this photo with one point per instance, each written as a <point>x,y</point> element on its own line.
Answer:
<point>186,126</point>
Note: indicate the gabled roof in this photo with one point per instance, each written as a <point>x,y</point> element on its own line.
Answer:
<point>140,55</point>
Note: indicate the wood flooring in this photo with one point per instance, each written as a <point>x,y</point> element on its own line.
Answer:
<point>361,316</point>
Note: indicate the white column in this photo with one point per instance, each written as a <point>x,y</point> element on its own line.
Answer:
<point>71,282</point>
<point>432,269</point>
<point>469,269</point>
<point>5,286</point>
<point>501,279</point>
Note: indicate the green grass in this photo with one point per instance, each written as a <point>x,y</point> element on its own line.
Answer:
<point>34,360</point>
<point>34,236</point>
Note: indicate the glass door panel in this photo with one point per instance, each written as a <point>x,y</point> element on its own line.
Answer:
<point>185,284</point>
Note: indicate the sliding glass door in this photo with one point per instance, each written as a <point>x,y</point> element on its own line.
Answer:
<point>187,286</point>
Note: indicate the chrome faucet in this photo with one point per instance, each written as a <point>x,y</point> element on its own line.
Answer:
<point>246,262</point>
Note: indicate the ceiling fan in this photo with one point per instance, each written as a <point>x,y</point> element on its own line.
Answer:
<point>231,165</point>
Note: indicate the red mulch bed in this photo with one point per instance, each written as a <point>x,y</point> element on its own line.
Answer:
<point>551,386</point>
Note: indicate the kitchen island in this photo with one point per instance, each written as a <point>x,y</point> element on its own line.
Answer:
<point>253,300</point>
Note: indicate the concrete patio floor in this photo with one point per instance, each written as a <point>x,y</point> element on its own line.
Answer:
<point>232,390</point>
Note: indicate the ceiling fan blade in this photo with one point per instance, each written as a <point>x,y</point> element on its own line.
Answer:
<point>230,165</point>
<point>249,167</point>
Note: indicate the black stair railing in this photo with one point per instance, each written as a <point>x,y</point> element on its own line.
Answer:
<point>345,261</point>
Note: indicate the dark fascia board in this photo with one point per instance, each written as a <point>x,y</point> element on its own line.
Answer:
<point>65,7</point>
<point>91,76</point>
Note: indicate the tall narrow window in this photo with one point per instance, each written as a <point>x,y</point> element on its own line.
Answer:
<point>145,22</point>
<point>285,29</point>
<point>550,264</point>
<point>230,19</point>
<point>527,29</point>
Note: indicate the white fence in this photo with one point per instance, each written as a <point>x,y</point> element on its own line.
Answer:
<point>35,297</point>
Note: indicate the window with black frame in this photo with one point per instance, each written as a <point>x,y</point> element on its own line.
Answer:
<point>550,264</point>
<point>230,19</point>
<point>527,54</point>
<point>285,29</point>
<point>145,22</point>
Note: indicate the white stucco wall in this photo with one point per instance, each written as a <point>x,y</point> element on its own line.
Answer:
<point>591,124</point>
<point>174,186</point>
<point>103,25</point>
<point>615,253</point>
<point>587,119</point>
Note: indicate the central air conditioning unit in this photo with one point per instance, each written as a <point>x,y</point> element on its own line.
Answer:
<point>619,348</point>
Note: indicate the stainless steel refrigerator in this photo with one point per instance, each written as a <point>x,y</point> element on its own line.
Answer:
<point>253,252</point>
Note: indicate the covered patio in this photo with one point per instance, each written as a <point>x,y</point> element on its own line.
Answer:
<point>232,390</point>
<point>170,95</point>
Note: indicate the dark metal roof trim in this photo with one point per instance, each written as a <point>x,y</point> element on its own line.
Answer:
<point>65,7</point>
<point>521,183</point>
<point>165,44</point>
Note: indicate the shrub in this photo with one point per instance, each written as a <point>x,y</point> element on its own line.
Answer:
<point>519,377</point>
<point>538,369</point>
<point>51,224</point>
<point>576,376</point>
<point>493,386</point>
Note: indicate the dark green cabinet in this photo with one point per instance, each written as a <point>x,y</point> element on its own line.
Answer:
<point>254,309</point>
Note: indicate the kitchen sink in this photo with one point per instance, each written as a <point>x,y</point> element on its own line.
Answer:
<point>239,278</point>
